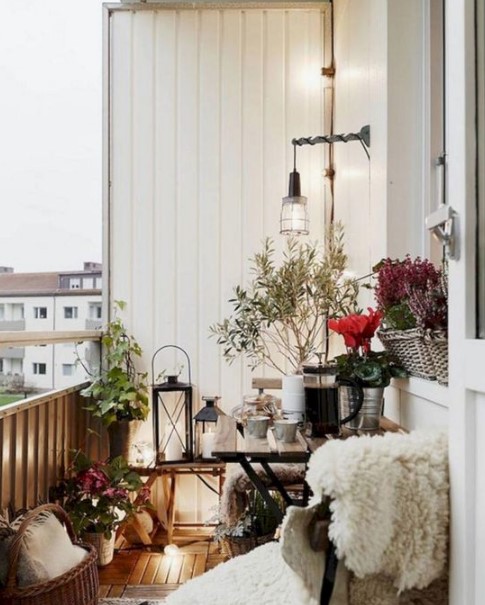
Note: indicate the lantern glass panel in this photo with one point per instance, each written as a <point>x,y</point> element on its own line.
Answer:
<point>205,428</point>
<point>172,418</point>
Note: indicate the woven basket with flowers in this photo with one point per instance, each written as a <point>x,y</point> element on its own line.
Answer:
<point>412,295</point>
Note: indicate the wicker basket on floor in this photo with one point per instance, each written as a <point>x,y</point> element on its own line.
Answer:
<point>232,546</point>
<point>437,343</point>
<point>78,586</point>
<point>411,350</point>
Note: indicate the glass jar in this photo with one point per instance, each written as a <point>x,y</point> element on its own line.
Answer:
<point>261,404</point>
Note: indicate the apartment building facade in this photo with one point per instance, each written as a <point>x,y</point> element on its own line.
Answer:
<point>64,301</point>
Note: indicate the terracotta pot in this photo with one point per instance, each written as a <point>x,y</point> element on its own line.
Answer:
<point>105,547</point>
<point>122,436</point>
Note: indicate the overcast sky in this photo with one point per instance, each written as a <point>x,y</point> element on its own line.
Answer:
<point>50,133</point>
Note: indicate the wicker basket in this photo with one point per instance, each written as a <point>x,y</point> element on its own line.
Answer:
<point>232,546</point>
<point>410,349</point>
<point>437,343</point>
<point>78,586</point>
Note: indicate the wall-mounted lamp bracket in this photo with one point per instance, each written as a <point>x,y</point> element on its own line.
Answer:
<point>442,224</point>
<point>363,136</point>
<point>328,72</point>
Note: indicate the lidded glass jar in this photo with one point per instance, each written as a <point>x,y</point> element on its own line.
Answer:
<point>261,404</point>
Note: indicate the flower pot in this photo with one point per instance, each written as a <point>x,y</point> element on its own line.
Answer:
<point>122,435</point>
<point>104,546</point>
<point>372,406</point>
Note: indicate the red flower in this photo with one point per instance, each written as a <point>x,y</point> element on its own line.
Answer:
<point>357,330</point>
<point>92,480</point>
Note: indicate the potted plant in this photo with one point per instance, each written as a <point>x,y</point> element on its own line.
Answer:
<point>279,318</point>
<point>96,496</point>
<point>256,526</point>
<point>411,294</point>
<point>368,370</point>
<point>118,392</point>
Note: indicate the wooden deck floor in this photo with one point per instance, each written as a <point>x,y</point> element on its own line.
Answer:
<point>140,572</point>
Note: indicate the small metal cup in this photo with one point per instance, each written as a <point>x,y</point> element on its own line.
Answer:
<point>258,426</point>
<point>285,430</point>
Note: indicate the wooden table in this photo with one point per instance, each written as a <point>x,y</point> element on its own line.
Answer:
<point>164,513</point>
<point>230,445</point>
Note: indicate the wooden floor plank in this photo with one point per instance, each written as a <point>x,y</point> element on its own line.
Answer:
<point>187,568</point>
<point>199,565</point>
<point>175,569</point>
<point>139,569</point>
<point>116,591</point>
<point>151,569</point>
<point>103,590</point>
<point>150,592</point>
<point>163,570</point>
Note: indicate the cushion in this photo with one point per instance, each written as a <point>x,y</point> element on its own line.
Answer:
<point>47,550</point>
<point>296,550</point>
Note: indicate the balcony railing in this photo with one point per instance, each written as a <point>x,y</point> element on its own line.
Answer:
<point>37,434</point>
<point>12,325</point>
<point>12,352</point>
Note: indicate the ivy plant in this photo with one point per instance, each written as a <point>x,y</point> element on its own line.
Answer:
<point>118,391</point>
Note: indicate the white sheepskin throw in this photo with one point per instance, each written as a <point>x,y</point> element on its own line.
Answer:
<point>389,503</point>
<point>260,577</point>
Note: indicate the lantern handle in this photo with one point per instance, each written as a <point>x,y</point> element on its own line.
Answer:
<point>170,347</point>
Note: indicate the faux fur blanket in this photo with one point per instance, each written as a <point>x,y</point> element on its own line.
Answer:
<point>389,503</point>
<point>233,499</point>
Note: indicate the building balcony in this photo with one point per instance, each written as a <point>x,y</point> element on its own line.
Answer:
<point>12,352</point>
<point>93,324</point>
<point>12,325</point>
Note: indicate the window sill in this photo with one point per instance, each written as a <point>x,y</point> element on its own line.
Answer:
<point>425,389</point>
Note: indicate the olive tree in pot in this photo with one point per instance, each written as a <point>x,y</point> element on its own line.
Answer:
<point>280,318</point>
<point>118,391</point>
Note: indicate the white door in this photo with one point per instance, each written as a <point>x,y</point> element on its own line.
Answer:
<point>467,302</point>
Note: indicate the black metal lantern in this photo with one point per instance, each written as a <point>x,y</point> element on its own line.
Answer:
<point>172,415</point>
<point>205,428</point>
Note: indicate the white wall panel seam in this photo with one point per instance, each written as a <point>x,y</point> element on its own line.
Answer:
<point>154,183</point>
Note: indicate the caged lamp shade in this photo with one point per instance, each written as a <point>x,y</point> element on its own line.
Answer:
<point>294,212</point>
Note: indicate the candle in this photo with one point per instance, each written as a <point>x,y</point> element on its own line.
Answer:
<point>174,449</point>
<point>208,445</point>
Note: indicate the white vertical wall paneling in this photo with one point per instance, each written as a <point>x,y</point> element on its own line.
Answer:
<point>315,92</point>
<point>187,182</point>
<point>209,192</point>
<point>352,179</point>
<point>165,196</point>
<point>406,158</point>
<point>142,260</point>
<point>209,202</point>
<point>204,105</point>
<point>121,162</point>
<point>252,137</point>
<point>231,270</point>
<point>274,141</point>
<point>378,119</point>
